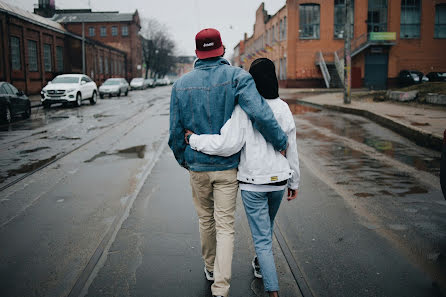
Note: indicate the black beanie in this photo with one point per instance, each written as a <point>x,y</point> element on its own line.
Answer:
<point>264,73</point>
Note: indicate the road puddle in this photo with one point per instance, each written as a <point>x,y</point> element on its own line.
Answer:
<point>33,150</point>
<point>31,166</point>
<point>297,108</point>
<point>129,153</point>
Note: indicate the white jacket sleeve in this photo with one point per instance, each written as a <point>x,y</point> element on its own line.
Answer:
<point>230,140</point>
<point>293,156</point>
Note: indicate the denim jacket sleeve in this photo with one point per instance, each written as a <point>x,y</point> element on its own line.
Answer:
<point>259,111</point>
<point>176,130</point>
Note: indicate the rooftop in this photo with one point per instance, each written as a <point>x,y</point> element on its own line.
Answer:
<point>34,18</point>
<point>91,17</point>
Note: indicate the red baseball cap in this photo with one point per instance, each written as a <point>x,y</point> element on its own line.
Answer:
<point>208,44</point>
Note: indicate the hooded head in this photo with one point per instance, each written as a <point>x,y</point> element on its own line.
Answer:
<point>264,73</point>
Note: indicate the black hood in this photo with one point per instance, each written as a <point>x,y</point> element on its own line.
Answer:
<point>264,73</point>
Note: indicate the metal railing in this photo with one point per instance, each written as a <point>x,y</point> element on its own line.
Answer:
<point>356,44</point>
<point>321,62</point>
<point>339,66</point>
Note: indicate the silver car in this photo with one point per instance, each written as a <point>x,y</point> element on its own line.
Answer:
<point>114,87</point>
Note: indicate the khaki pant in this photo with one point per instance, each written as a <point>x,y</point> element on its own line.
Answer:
<point>214,194</point>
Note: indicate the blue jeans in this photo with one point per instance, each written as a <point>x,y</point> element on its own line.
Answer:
<point>261,209</point>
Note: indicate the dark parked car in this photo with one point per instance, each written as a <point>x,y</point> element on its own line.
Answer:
<point>436,76</point>
<point>411,77</point>
<point>13,103</point>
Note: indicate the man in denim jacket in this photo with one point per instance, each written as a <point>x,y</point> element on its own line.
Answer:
<point>202,101</point>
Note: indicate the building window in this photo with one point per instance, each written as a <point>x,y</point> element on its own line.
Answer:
<point>106,65</point>
<point>377,16</point>
<point>59,59</point>
<point>47,57</point>
<point>103,31</point>
<point>284,28</point>
<point>282,70</point>
<point>272,34</point>
<point>114,31</point>
<point>440,21</point>
<point>309,21</point>
<point>91,31</point>
<point>410,19</point>
<point>33,66</point>
<point>16,62</point>
<point>280,29</point>
<point>340,17</point>
<point>101,68</point>
<point>125,31</point>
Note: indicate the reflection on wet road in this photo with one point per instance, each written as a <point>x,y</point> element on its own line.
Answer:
<point>392,184</point>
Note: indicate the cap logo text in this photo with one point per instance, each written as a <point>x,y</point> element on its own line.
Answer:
<point>208,44</point>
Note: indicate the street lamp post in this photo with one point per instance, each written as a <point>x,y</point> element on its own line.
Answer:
<point>83,48</point>
<point>347,53</point>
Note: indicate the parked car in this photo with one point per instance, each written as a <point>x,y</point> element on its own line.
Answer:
<point>411,77</point>
<point>13,103</point>
<point>162,82</point>
<point>138,83</point>
<point>150,82</point>
<point>436,76</point>
<point>69,88</point>
<point>114,86</point>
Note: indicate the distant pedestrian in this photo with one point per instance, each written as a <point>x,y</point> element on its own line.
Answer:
<point>203,100</point>
<point>263,172</point>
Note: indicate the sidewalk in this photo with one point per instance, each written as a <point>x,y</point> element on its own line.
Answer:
<point>423,124</point>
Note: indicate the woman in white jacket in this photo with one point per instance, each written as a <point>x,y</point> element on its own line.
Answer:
<point>263,173</point>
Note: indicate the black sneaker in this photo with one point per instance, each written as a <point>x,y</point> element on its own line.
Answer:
<point>209,274</point>
<point>256,267</point>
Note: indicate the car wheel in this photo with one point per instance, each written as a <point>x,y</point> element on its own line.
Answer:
<point>27,112</point>
<point>46,105</point>
<point>102,96</point>
<point>78,101</point>
<point>7,116</point>
<point>94,98</point>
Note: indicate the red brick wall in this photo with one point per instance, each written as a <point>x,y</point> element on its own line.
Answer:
<point>424,54</point>
<point>130,44</point>
<point>33,82</point>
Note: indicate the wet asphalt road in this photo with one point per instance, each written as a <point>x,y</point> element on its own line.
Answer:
<point>114,217</point>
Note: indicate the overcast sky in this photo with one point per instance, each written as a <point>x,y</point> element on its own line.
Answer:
<point>184,18</point>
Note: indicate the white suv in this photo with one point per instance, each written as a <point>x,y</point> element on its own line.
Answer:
<point>68,88</point>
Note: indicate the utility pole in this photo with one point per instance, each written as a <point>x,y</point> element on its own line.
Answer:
<point>347,52</point>
<point>83,48</point>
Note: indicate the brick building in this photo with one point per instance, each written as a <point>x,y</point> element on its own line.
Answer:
<point>33,50</point>
<point>305,41</point>
<point>118,30</point>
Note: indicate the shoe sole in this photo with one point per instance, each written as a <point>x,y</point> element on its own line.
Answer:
<point>255,272</point>
<point>208,277</point>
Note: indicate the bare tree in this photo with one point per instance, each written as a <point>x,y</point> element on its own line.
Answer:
<point>158,48</point>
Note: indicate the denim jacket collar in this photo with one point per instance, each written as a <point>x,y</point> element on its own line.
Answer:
<point>200,64</point>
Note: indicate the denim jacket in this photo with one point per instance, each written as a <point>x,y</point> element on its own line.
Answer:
<point>204,99</point>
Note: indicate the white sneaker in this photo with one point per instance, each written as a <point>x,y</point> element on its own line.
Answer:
<point>256,267</point>
<point>209,274</point>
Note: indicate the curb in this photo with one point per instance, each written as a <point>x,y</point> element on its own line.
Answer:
<point>421,138</point>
